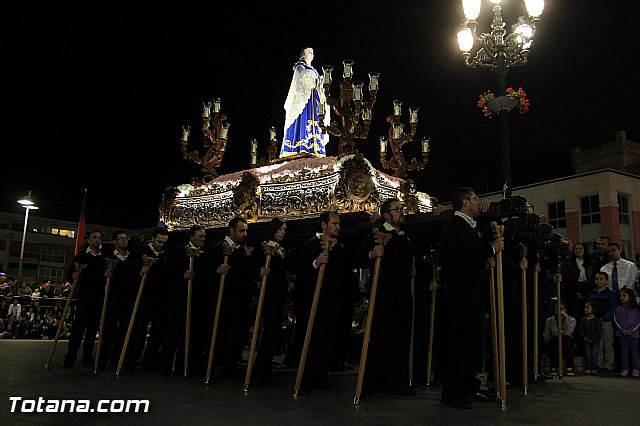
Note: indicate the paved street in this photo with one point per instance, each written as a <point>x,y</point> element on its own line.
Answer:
<point>575,400</point>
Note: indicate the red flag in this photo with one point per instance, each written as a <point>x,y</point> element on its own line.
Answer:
<point>80,232</point>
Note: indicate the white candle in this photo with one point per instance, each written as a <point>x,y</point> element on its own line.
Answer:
<point>185,133</point>
<point>397,130</point>
<point>254,145</point>
<point>348,68</point>
<point>326,74</point>
<point>357,91</point>
<point>224,131</point>
<point>425,144</point>
<point>397,108</point>
<point>272,133</point>
<point>373,81</point>
<point>321,108</point>
<point>254,158</point>
<point>413,115</point>
<point>206,110</point>
<point>383,144</point>
<point>216,105</point>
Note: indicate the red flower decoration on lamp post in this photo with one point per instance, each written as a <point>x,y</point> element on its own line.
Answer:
<point>489,103</point>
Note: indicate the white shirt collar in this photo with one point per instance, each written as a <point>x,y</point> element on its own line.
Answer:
<point>153,249</point>
<point>390,228</point>
<point>120,256</point>
<point>468,219</point>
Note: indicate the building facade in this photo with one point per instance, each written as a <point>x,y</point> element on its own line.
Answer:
<point>48,248</point>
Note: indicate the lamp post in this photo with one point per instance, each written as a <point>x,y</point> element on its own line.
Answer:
<point>499,51</point>
<point>28,204</point>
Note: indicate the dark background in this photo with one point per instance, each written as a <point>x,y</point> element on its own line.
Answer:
<point>94,94</point>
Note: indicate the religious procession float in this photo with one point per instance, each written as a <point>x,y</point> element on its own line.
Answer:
<point>297,180</point>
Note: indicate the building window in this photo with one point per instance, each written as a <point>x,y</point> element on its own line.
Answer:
<point>556,215</point>
<point>50,254</point>
<point>623,209</point>
<point>590,209</point>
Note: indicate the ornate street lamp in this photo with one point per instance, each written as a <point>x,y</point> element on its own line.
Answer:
<point>499,51</point>
<point>28,204</point>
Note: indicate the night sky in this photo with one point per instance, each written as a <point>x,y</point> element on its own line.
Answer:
<point>94,94</point>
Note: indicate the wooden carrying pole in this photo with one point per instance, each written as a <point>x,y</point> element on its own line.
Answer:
<point>111,263</point>
<point>559,320</point>
<point>535,319</point>
<point>433,286</point>
<point>413,319</point>
<point>269,250</point>
<point>79,268</point>
<point>525,360</point>
<point>327,245</point>
<point>381,238</point>
<point>226,251</point>
<point>147,261</point>
<point>498,230</point>
<point>494,331</point>
<point>191,253</point>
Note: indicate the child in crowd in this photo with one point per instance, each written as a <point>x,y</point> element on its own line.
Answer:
<point>551,339</point>
<point>606,303</point>
<point>590,332</point>
<point>627,320</point>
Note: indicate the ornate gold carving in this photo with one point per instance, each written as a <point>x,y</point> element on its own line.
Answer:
<point>356,191</point>
<point>245,198</point>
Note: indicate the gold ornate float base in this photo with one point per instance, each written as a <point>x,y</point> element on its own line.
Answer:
<point>296,189</point>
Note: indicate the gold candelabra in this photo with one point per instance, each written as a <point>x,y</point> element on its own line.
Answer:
<point>397,138</point>
<point>354,112</point>
<point>214,140</point>
<point>272,150</point>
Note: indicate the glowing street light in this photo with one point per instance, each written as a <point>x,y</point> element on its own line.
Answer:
<point>28,204</point>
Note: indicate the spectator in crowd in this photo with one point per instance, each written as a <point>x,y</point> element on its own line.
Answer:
<point>15,308</point>
<point>36,293</point>
<point>627,322</point>
<point>9,326</point>
<point>605,302</point>
<point>551,340</point>
<point>590,333</point>
<point>25,289</point>
<point>622,272</point>
<point>600,256</point>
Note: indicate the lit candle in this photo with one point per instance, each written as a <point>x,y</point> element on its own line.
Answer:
<point>366,114</point>
<point>348,68</point>
<point>397,108</point>
<point>413,115</point>
<point>216,105</point>
<point>383,144</point>
<point>425,144</point>
<point>185,133</point>
<point>272,133</point>
<point>206,110</point>
<point>326,74</point>
<point>357,91</point>
<point>397,130</point>
<point>254,145</point>
<point>373,81</point>
<point>224,131</point>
